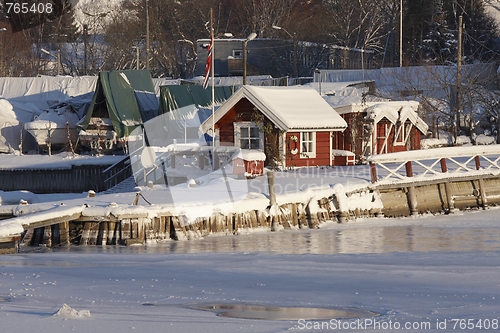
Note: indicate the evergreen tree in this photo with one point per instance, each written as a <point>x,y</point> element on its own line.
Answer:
<point>439,45</point>
<point>480,29</point>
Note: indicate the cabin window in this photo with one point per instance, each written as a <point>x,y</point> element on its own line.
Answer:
<point>401,134</point>
<point>308,144</point>
<point>247,135</point>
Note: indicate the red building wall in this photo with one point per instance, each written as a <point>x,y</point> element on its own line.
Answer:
<point>241,111</point>
<point>351,138</point>
<point>322,151</point>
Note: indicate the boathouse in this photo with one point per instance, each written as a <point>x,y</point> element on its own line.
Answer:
<point>380,128</point>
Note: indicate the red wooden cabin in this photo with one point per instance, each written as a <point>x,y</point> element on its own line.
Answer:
<point>380,128</point>
<point>293,124</point>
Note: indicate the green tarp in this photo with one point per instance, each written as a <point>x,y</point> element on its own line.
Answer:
<point>177,97</point>
<point>127,97</point>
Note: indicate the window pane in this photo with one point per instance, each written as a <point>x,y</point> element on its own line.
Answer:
<point>244,132</point>
<point>254,143</point>
<point>254,132</point>
<point>244,143</point>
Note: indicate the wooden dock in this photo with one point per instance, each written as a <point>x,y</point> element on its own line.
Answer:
<point>474,183</point>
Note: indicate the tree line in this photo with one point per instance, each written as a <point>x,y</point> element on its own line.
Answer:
<point>161,34</point>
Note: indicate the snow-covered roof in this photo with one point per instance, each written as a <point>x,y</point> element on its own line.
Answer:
<point>288,108</point>
<point>391,110</point>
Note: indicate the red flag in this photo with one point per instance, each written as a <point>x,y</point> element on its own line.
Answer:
<point>209,62</point>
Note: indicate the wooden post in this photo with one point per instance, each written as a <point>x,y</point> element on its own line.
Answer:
<point>93,233</point>
<point>125,228</point>
<point>373,171</point>
<point>111,233</point>
<point>64,238</point>
<point>484,201</point>
<point>272,193</point>
<point>134,229</point>
<point>141,233</point>
<point>311,217</point>
<point>409,169</point>
<point>28,237</point>
<point>478,162</point>
<point>293,215</point>
<point>412,200</point>
<point>47,236</point>
<point>102,233</point>
<point>85,233</point>
<point>161,228</point>
<point>444,168</point>
<point>254,219</point>
<point>449,197</point>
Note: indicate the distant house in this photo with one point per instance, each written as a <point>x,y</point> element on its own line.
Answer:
<point>380,128</point>
<point>275,57</point>
<point>291,124</point>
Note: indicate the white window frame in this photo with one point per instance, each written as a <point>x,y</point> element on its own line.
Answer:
<point>237,133</point>
<point>401,134</point>
<point>308,154</point>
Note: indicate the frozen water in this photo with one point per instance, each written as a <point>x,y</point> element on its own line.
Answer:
<point>428,270</point>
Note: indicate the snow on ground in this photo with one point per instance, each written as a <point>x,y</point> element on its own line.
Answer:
<point>425,272</point>
<point>221,194</point>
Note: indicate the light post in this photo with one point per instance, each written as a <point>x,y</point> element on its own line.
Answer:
<point>317,71</point>
<point>147,34</point>
<point>136,48</point>
<point>294,37</point>
<point>85,42</point>
<point>249,38</point>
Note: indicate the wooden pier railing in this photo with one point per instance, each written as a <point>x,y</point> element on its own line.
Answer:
<point>435,163</point>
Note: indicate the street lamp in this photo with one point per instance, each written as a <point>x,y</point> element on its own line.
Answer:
<point>85,42</point>
<point>294,37</point>
<point>58,59</point>
<point>249,38</point>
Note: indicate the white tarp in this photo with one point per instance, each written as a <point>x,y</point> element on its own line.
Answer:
<point>10,128</point>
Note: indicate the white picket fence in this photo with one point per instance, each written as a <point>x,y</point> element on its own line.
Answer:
<point>435,163</point>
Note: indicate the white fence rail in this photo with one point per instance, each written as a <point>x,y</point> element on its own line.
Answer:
<point>435,163</point>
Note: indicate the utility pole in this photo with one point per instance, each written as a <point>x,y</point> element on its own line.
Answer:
<point>459,72</point>
<point>85,42</point>
<point>295,72</point>
<point>401,33</point>
<point>147,34</point>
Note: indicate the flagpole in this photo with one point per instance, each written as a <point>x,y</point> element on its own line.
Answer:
<point>213,89</point>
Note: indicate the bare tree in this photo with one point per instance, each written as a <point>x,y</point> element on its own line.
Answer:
<point>355,24</point>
